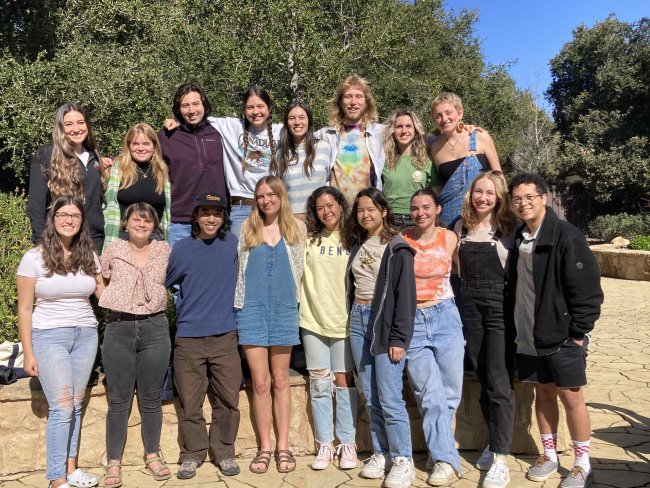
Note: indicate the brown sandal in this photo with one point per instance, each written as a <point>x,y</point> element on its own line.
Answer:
<point>262,457</point>
<point>285,456</point>
<point>115,463</point>
<point>156,474</point>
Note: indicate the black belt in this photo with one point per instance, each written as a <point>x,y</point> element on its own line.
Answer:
<point>131,316</point>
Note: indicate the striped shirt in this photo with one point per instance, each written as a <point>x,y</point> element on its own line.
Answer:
<point>299,186</point>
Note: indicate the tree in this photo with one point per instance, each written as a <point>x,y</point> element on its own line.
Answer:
<point>602,112</point>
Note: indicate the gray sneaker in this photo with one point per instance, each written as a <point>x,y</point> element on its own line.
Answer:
<point>187,469</point>
<point>577,478</point>
<point>542,469</point>
<point>228,467</point>
<point>485,460</point>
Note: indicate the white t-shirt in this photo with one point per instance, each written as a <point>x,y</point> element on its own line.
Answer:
<point>84,157</point>
<point>257,158</point>
<point>61,301</point>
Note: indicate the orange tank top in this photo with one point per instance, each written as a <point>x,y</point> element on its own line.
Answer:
<point>432,267</point>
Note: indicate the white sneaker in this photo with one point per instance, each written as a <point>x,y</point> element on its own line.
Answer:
<point>485,460</point>
<point>323,457</point>
<point>376,466</point>
<point>347,454</point>
<point>401,474</point>
<point>441,475</point>
<point>498,476</point>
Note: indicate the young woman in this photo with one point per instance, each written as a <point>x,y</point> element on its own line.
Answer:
<point>325,332</point>
<point>434,358</point>
<point>302,161</point>
<point>271,247</point>
<point>407,167</point>
<point>381,302</point>
<point>68,165</point>
<point>204,266</point>
<point>138,174</point>
<point>59,335</point>
<point>459,155</point>
<point>484,255</point>
<point>136,345</point>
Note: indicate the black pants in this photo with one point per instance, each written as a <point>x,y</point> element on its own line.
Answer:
<point>489,333</point>
<point>135,354</point>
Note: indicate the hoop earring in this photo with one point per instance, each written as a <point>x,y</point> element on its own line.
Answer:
<point>460,127</point>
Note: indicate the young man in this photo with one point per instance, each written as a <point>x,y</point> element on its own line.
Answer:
<point>204,265</point>
<point>558,300</point>
<point>355,138</point>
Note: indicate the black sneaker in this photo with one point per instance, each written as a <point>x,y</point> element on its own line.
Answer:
<point>187,469</point>
<point>228,467</point>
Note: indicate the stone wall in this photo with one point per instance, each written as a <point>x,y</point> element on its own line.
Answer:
<point>622,263</point>
<point>23,411</point>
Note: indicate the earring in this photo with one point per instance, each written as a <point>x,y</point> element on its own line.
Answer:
<point>437,132</point>
<point>460,127</point>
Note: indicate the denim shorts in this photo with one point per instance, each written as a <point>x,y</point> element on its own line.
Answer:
<point>566,367</point>
<point>262,325</point>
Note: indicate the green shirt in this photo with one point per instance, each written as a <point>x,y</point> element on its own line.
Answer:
<point>400,183</point>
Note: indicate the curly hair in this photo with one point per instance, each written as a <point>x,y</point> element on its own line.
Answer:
<point>82,256</point>
<point>418,145</point>
<point>356,234</point>
<point>266,98</point>
<point>503,215</point>
<point>315,227</point>
<point>337,114</point>
<point>287,148</point>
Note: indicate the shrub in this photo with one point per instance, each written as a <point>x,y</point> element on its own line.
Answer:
<point>14,241</point>
<point>640,243</point>
<point>607,227</point>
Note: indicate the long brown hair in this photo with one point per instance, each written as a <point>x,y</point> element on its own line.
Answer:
<point>356,234</point>
<point>503,215</point>
<point>337,114</point>
<point>315,227</point>
<point>63,175</point>
<point>288,149</point>
<point>81,257</point>
<point>266,98</point>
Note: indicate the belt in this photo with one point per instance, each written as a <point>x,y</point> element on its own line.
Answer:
<point>241,201</point>
<point>131,316</point>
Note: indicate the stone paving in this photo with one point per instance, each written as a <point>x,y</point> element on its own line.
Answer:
<point>618,396</point>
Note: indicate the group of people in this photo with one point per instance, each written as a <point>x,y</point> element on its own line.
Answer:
<point>271,235</point>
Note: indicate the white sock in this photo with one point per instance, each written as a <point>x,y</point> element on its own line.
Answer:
<point>549,441</point>
<point>581,450</point>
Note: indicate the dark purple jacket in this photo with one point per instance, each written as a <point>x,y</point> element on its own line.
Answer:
<point>195,160</point>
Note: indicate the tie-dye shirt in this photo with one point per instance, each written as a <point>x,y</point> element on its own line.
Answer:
<point>432,267</point>
<point>351,171</point>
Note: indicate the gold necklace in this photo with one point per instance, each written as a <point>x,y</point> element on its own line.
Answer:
<point>452,146</point>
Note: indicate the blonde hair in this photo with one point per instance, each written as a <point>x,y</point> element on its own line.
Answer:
<point>128,173</point>
<point>253,226</point>
<point>450,98</point>
<point>337,114</point>
<point>418,145</point>
<point>504,217</point>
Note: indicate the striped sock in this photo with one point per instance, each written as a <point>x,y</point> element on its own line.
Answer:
<point>581,450</point>
<point>549,441</point>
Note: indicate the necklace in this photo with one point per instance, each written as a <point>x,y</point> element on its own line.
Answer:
<point>143,173</point>
<point>453,146</point>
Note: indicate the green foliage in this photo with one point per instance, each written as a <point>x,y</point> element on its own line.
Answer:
<point>14,242</point>
<point>602,111</point>
<point>640,243</point>
<point>607,227</point>
<point>123,59</point>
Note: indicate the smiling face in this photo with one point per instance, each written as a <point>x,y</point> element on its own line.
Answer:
<point>67,221</point>
<point>75,129</point>
<point>484,197</point>
<point>404,133</point>
<point>329,211</point>
<point>139,227</point>
<point>298,124</point>
<point>267,201</point>
<point>446,117</point>
<point>370,217</point>
<point>192,108</point>
<point>209,219</point>
<point>424,212</point>
<point>529,204</point>
<point>141,148</point>
<point>353,102</point>
<point>256,112</point>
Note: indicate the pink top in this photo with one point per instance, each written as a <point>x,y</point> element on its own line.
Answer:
<point>132,289</point>
<point>432,267</point>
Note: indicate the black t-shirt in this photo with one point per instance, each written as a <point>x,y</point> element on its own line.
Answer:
<point>143,190</point>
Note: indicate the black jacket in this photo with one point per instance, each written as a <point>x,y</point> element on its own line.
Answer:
<point>40,199</point>
<point>568,295</point>
<point>394,303</point>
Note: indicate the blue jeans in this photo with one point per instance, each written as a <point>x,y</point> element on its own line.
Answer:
<point>334,355</point>
<point>381,382</point>
<point>65,357</point>
<point>434,362</point>
<point>238,213</point>
<point>178,231</point>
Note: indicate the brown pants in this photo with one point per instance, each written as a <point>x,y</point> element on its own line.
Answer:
<point>199,362</point>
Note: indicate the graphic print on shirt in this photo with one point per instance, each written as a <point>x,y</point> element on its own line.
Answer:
<point>368,259</point>
<point>333,251</point>
<point>258,152</point>
<point>351,173</point>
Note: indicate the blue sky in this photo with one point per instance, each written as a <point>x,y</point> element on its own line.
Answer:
<point>531,32</point>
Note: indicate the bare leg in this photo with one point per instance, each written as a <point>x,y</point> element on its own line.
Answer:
<point>546,408</point>
<point>280,356</point>
<point>577,415</point>
<point>258,363</point>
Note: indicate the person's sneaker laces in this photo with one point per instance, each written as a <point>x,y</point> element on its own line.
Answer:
<point>375,466</point>
<point>323,457</point>
<point>485,460</point>
<point>441,475</point>
<point>577,478</point>
<point>347,454</point>
<point>228,467</point>
<point>187,469</point>
<point>542,469</point>
<point>498,476</point>
<point>401,474</point>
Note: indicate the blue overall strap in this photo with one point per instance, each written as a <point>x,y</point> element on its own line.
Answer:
<point>472,141</point>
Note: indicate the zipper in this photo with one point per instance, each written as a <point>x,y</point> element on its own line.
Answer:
<point>383,297</point>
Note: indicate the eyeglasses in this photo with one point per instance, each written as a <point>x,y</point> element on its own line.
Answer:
<point>76,217</point>
<point>517,201</point>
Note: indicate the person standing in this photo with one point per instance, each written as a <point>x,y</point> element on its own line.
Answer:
<point>558,301</point>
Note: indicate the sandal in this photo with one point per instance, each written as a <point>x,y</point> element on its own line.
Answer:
<point>156,474</point>
<point>285,456</point>
<point>262,457</point>
<point>118,476</point>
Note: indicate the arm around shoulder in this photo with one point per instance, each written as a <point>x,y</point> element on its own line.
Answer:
<point>490,150</point>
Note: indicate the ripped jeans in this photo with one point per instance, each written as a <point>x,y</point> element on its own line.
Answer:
<point>65,357</point>
<point>335,356</point>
